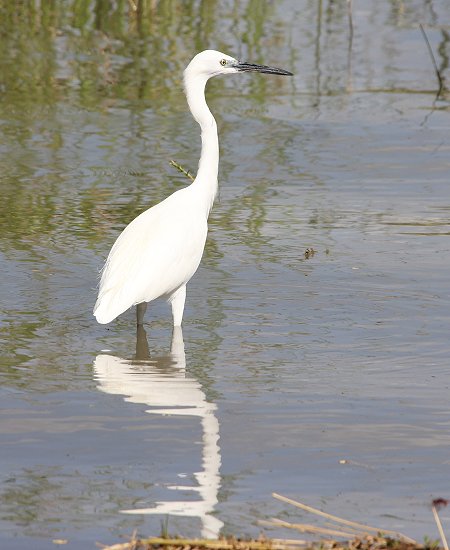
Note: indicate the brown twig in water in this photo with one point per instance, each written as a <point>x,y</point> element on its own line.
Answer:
<point>182,170</point>
<point>430,50</point>
<point>343,521</point>
<point>437,503</point>
<point>350,23</point>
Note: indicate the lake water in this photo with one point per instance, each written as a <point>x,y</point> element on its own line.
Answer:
<point>323,378</point>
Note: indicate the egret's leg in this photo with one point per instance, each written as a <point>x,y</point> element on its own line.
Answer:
<point>140,312</point>
<point>177,300</point>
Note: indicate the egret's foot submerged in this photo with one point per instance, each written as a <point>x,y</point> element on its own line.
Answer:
<point>140,312</point>
<point>142,349</point>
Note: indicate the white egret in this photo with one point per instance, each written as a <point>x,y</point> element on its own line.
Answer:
<point>160,250</point>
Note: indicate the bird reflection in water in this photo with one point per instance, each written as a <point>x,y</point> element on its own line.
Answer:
<point>164,385</point>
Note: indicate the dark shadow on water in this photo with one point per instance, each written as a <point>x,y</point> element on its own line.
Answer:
<point>162,383</point>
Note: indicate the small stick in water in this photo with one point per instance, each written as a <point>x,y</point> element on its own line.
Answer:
<point>435,505</point>
<point>438,74</point>
<point>182,170</point>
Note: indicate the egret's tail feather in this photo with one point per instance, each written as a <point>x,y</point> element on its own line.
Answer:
<point>107,309</point>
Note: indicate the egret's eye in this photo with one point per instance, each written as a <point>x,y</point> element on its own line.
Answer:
<point>223,62</point>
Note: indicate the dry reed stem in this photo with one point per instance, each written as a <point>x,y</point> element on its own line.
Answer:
<point>341,520</point>
<point>306,528</point>
<point>439,526</point>
<point>354,530</point>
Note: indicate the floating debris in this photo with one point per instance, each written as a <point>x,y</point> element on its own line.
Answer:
<point>356,536</point>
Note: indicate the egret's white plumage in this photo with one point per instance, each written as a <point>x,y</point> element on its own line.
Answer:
<point>160,250</point>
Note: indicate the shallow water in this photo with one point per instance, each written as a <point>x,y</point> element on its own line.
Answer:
<point>324,378</point>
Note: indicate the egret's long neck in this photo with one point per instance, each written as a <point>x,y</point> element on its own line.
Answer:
<point>206,179</point>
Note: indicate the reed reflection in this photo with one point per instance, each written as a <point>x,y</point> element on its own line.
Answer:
<point>163,384</point>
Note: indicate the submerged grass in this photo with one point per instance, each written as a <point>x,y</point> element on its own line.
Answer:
<point>354,536</point>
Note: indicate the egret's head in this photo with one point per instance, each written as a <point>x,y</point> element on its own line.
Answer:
<point>212,63</point>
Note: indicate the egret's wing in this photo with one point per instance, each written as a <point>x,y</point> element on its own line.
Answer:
<point>157,252</point>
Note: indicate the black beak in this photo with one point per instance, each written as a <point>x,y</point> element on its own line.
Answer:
<point>242,66</point>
